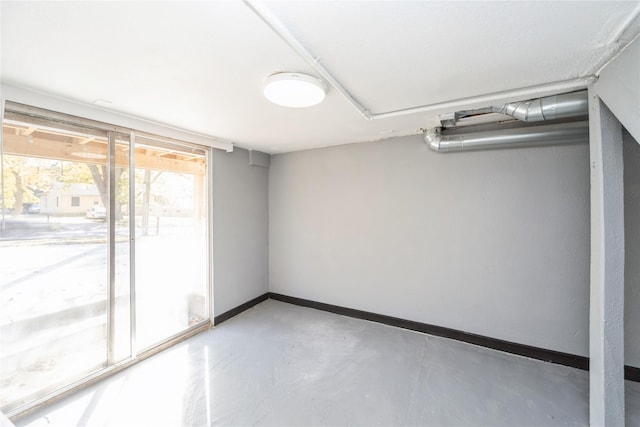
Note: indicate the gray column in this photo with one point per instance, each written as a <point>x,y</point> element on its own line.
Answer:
<point>606,317</point>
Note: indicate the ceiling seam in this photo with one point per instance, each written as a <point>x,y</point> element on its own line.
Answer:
<point>608,59</point>
<point>626,26</point>
<point>534,91</point>
<point>266,16</point>
<point>279,28</point>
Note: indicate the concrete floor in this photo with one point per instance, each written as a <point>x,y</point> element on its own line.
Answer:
<point>283,365</point>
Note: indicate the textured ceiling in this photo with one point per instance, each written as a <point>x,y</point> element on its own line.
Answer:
<point>200,66</point>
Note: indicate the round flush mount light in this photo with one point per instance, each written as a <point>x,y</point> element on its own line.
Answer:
<point>294,90</point>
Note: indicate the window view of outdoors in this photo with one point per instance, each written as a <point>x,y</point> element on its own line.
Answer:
<point>65,251</point>
<point>171,245</point>
<point>54,261</point>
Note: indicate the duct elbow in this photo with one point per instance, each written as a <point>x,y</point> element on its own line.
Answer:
<point>433,138</point>
<point>548,108</point>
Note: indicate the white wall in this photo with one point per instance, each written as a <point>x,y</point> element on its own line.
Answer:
<point>494,243</point>
<point>632,250</point>
<point>240,230</point>
<point>619,87</point>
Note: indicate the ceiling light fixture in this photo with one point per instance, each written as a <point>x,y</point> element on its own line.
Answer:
<point>294,90</point>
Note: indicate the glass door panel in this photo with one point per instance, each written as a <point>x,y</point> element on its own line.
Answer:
<point>98,260</point>
<point>171,240</point>
<point>53,257</point>
<point>120,331</point>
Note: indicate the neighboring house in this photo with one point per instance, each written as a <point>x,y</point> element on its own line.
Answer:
<point>69,199</point>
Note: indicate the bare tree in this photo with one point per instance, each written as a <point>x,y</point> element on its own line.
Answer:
<point>100,177</point>
<point>146,200</point>
<point>19,194</point>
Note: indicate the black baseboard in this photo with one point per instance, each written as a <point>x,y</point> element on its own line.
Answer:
<point>239,309</point>
<point>632,374</point>
<point>580,362</point>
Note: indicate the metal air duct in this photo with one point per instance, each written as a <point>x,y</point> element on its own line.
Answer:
<point>567,105</point>
<point>557,134</point>
<point>547,108</point>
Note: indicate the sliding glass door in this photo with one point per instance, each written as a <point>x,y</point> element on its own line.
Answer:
<point>171,238</point>
<point>54,290</point>
<point>98,264</point>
